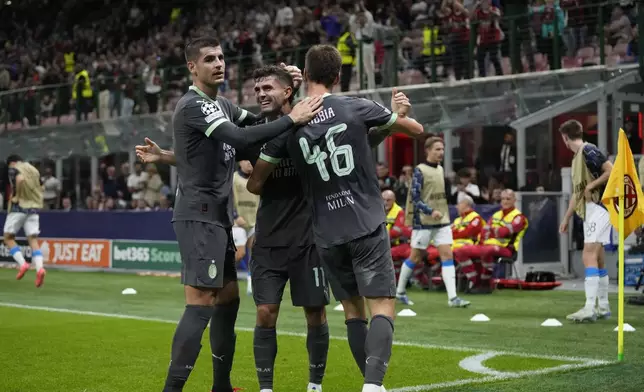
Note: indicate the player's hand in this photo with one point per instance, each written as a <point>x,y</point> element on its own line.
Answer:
<point>563,227</point>
<point>241,222</point>
<point>296,74</point>
<point>305,110</point>
<point>149,153</point>
<point>399,103</point>
<point>437,215</point>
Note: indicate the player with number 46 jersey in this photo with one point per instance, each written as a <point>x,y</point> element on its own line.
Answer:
<point>333,155</point>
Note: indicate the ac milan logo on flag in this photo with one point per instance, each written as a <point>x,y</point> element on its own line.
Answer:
<point>630,197</point>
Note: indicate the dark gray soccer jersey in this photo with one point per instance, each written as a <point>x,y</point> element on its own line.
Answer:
<point>284,217</point>
<point>334,159</point>
<point>205,165</point>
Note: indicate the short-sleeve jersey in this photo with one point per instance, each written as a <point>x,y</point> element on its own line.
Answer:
<point>205,165</point>
<point>284,217</point>
<point>335,162</point>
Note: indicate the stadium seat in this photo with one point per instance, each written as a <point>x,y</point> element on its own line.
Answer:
<point>510,261</point>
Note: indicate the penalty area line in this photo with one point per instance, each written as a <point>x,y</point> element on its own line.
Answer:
<point>300,334</point>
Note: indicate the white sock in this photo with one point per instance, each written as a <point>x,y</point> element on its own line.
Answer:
<point>602,292</point>
<point>449,278</point>
<point>406,270</point>
<point>20,259</point>
<point>592,287</point>
<point>315,387</point>
<point>370,388</point>
<point>250,284</point>
<point>38,261</point>
<point>266,390</point>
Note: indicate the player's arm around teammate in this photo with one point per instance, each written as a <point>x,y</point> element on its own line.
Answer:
<point>427,210</point>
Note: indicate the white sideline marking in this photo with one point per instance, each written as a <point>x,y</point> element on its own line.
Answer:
<point>473,363</point>
<point>303,335</point>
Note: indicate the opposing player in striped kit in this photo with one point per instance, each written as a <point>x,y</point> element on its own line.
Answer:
<point>428,212</point>
<point>590,172</point>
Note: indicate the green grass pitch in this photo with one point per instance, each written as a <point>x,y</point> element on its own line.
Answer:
<point>80,334</point>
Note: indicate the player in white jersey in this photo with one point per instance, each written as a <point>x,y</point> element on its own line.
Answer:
<point>24,204</point>
<point>590,172</point>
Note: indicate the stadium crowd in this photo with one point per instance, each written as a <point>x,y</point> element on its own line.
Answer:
<point>124,57</point>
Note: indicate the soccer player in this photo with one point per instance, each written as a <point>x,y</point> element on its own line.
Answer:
<point>246,205</point>
<point>428,212</point>
<point>284,249</point>
<point>205,142</point>
<point>24,204</point>
<point>500,237</point>
<point>590,172</point>
<point>333,155</point>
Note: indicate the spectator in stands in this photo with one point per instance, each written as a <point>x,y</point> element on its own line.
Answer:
<point>576,31</point>
<point>507,161</point>
<point>153,185</point>
<point>401,189</point>
<point>121,184</point>
<point>550,14</point>
<point>618,30</point>
<point>433,46</point>
<point>347,47</point>
<point>385,180</point>
<point>82,93</point>
<point>456,19</point>
<point>465,187</point>
<point>52,189</point>
<point>152,77</point>
<point>66,204</point>
<point>136,182</point>
<point>110,188</point>
<point>362,26</point>
<point>489,36</point>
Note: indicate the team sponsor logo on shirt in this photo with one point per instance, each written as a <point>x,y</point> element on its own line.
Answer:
<point>211,110</point>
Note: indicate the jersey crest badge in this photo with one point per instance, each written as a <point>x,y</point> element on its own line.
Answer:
<point>211,110</point>
<point>212,270</point>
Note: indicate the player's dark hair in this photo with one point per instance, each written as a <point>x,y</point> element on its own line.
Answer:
<point>279,73</point>
<point>13,158</point>
<point>572,129</point>
<point>429,143</point>
<point>193,47</point>
<point>323,64</point>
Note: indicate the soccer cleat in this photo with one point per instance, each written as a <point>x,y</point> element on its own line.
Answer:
<point>583,315</point>
<point>603,313</point>
<point>313,388</point>
<point>457,302</point>
<point>40,277</point>
<point>404,299</point>
<point>22,271</point>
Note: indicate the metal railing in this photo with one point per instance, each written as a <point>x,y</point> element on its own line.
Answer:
<point>51,104</point>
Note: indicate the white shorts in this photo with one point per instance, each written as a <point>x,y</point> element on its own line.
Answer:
<point>596,225</point>
<point>239,236</point>
<point>420,239</point>
<point>19,220</point>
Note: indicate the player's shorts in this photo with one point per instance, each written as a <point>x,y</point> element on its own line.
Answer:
<point>596,225</point>
<point>20,220</point>
<point>207,254</point>
<point>362,267</point>
<point>420,239</point>
<point>240,238</point>
<point>270,268</point>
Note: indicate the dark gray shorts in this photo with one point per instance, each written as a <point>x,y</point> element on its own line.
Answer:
<point>362,267</point>
<point>271,268</point>
<point>207,254</point>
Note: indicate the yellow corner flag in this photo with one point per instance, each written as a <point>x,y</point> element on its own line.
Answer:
<point>625,203</point>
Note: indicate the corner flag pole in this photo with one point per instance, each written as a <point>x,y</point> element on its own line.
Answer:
<point>620,273</point>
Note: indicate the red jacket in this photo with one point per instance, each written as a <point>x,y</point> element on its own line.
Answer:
<point>472,230</point>
<point>399,229</point>
<point>488,30</point>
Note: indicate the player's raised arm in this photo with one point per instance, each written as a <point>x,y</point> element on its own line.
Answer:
<point>383,121</point>
<point>269,157</point>
<point>222,129</point>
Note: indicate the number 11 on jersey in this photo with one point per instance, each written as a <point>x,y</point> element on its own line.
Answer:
<point>317,156</point>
